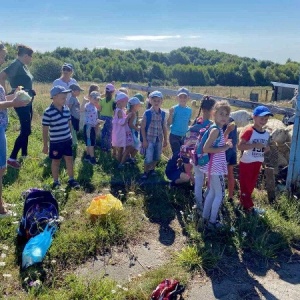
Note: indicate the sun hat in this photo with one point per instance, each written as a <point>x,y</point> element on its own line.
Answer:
<point>68,67</point>
<point>121,96</point>
<point>109,88</point>
<point>134,101</point>
<point>95,95</point>
<point>261,111</point>
<point>140,97</point>
<point>156,94</point>
<point>183,91</point>
<point>75,87</point>
<point>58,89</point>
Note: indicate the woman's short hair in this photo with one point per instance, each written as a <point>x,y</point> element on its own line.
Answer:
<point>23,50</point>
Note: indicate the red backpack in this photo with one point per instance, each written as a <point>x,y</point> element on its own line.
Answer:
<point>168,289</point>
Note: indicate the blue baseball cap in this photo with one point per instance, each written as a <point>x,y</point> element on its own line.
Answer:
<point>156,94</point>
<point>134,101</point>
<point>183,91</point>
<point>58,89</point>
<point>261,111</point>
<point>68,67</point>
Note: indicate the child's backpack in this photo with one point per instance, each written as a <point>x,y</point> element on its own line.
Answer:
<point>168,289</point>
<point>148,114</point>
<point>200,158</point>
<point>40,207</point>
<point>187,150</point>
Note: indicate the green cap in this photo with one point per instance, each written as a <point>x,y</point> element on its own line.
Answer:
<point>139,96</point>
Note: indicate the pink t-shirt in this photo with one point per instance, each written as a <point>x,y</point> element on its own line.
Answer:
<point>121,133</point>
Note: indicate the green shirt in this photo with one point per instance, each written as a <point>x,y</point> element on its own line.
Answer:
<point>18,74</point>
<point>107,107</point>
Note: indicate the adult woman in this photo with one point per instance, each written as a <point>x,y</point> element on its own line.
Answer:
<point>18,74</point>
<point>66,79</point>
<point>5,102</point>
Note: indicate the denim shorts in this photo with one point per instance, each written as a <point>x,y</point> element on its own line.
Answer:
<point>153,152</point>
<point>231,157</point>
<point>2,148</point>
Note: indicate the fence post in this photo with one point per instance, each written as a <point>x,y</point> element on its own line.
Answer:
<point>293,177</point>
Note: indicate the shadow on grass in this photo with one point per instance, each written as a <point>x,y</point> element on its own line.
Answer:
<point>11,176</point>
<point>247,246</point>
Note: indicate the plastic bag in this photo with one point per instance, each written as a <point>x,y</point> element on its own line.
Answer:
<point>37,247</point>
<point>103,204</point>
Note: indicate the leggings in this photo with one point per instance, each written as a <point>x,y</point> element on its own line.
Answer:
<point>199,182</point>
<point>25,117</point>
<point>214,198</point>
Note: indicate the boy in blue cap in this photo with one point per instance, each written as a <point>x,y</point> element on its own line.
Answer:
<point>57,124</point>
<point>254,143</point>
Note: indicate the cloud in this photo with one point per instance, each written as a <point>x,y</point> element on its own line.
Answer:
<point>149,37</point>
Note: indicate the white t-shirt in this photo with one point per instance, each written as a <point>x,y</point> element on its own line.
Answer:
<point>66,85</point>
<point>251,135</point>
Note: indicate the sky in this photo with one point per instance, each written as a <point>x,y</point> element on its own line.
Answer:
<point>261,29</point>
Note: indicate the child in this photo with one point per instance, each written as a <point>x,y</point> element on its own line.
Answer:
<point>90,125</point>
<point>175,171</point>
<point>254,143</point>
<point>57,122</point>
<point>121,134</point>
<point>216,168</point>
<point>179,119</point>
<point>93,87</point>
<point>107,112</point>
<point>74,106</point>
<point>134,105</point>
<point>230,133</point>
<point>154,133</point>
<point>206,107</point>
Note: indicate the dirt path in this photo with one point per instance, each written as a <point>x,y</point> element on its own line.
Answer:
<point>237,277</point>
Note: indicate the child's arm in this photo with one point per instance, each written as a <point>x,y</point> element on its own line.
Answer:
<point>45,139</point>
<point>244,145</point>
<point>230,127</point>
<point>165,132</point>
<point>143,132</point>
<point>123,121</point>
<point>130,123</point>
<point>208,146</point>
<point>171,116</point>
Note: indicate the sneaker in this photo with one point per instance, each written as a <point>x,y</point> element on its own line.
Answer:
<point>92,161</point>
<point>55,184</point>
<point>14,164</point>
<point>87,158</point>
<point>258,211</point>
<point>214,226</point>
<point>145,176</point>
<point>73,184</point>
<point>152,173</point>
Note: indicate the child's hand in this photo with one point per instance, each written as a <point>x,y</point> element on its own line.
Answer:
<point>165,143</point>
<point>18,102</point>
<point>229,143</point>
<point>45,149</point>
<point>145,144</point>
<point>259,145</point>
<point>171,111</point>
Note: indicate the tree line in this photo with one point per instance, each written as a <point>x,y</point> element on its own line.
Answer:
<point>190,66</point>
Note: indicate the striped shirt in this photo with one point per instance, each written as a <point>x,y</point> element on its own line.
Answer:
<point>217,164</point>
<point>58,122</point>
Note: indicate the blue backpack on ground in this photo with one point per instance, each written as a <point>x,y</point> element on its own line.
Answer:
<point>40,207</point>
<point>201,158</point>
<point>148,114</point>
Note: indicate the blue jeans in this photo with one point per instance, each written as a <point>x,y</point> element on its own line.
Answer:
<point>2,148</point>
<point>105,142</point>
<point>153,152</point>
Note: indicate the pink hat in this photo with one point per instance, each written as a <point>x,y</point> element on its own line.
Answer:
<point>110,88</point>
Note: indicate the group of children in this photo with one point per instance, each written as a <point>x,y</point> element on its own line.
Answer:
<point>221,146</point>
<point>121,131</point>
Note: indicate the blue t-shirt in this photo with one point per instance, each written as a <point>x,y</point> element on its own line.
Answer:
<point>181,118</point>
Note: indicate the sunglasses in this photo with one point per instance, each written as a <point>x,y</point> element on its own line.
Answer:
<point>67,69</point>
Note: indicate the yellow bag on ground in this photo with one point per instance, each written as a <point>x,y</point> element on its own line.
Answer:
<point>102,204</point>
